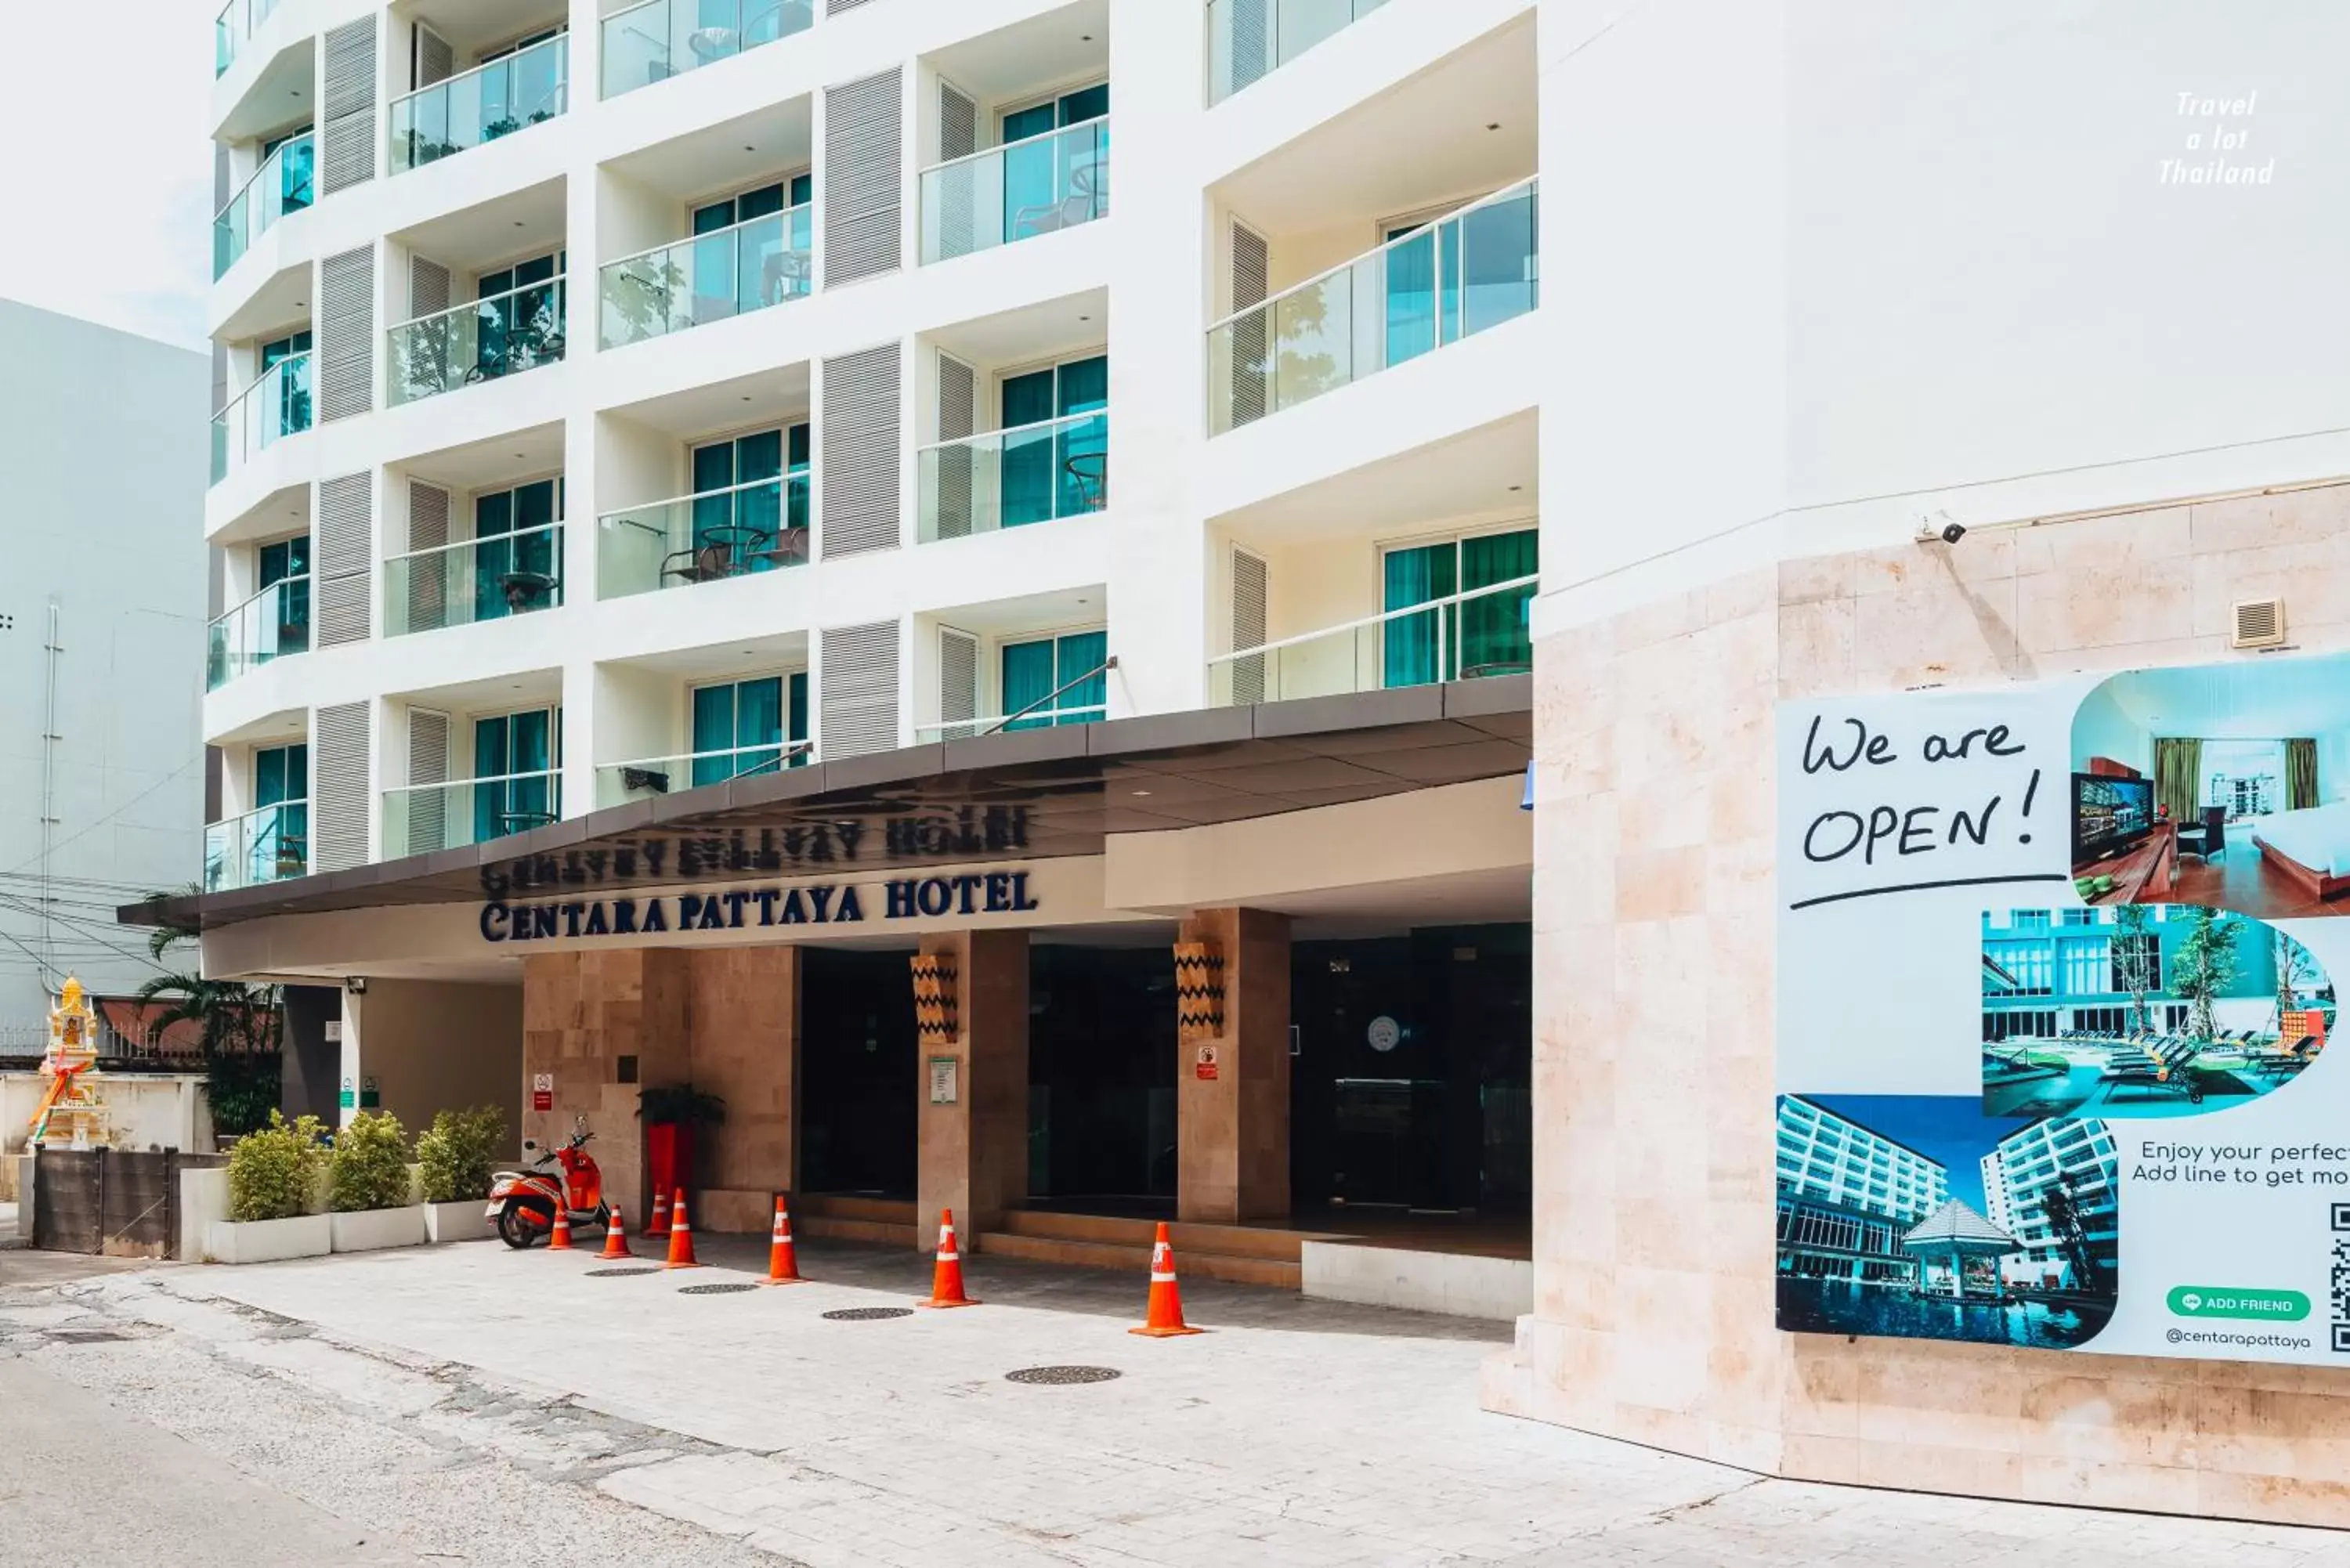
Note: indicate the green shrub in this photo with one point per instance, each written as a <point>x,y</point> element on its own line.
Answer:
<point>457,1152</point>
<point>273,1171</point>
<point>370,1164</point>
<point>243,1089</point>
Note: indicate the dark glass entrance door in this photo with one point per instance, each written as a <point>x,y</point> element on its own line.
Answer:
<point>858,1079</point>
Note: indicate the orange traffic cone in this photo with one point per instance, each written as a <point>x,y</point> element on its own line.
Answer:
<point>946,1281</point>
<point>561,1240</point>
<point>680,1236</point>
<point>660,1226</point>
<point>616,1237</point>
<point>783,1261</point>
<point>1165,1318</point>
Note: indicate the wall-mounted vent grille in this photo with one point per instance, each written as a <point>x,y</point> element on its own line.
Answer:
<point>1248,626</point>
<point>346,542</point>
<point>428,287</point>
<point>859,455</point>
<point>346,318</point>
<point>339,793</point>
<point>859,684</point>
<point>958,683</point>
<point>427,764</point>
<point>2259,623</point>
<point>1251,263</point>
<point>862,151</point>
<point>957,400</point>
<point>347,104</point>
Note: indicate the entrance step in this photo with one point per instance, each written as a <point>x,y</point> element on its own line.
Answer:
<point>1189,1237</point>
<point>1136,1258</point>
<point>844,1217</point>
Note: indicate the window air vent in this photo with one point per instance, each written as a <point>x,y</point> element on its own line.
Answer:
<point>2259,623</point>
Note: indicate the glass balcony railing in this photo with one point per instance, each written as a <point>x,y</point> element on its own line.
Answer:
<point>725,273</point>
<point>526,88</point>
<point>1016,191</point>
<point>480,340</point>
<point>233,26</point>
<point>488,578</point>
<point>1006,479</point>
<point>268,845</point>
<point>1456,277</point>
<point>421,819</point>
<point>664,39</point>
<point>1461,636</point>
<point>270,625</point>
<point>761,526</point>
<point>277,405</point>
<point>1250,39</point>
<point>617,783</point>
<point>281,185</point>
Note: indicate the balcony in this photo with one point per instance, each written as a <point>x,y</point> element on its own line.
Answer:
<point>271,843</point>
<point>738,531</point>
<point>281,185</point>
<point>492,100</point>
<point>1011,478</point>
<point>1002,195</point>
<point>481,340</point>
<point>421,819</point>
<point>664,39</point>
<point>1248,40</point>
<point>617,783</point>
<point>758,262</point>
<point>1459,637</point>
<point>490,578</point>
<point>277,405</point>
<point>270,625</point>
<point>233,26</point>
<point>1456,277</point>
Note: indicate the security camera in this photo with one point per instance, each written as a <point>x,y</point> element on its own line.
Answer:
<point>356,984</point>
<point>1952,532</point>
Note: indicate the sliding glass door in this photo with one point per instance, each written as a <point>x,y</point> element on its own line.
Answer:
<point>1483,634</point>
<point>1059,472</point>
<point>513,759</point>
<point>740,727</point>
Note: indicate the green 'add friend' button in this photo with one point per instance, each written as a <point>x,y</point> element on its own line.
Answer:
<point>2213,1301</point>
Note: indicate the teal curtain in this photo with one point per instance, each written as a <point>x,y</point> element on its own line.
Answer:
<point>714,731</point>
<point>279,843</point>
<point>1414,652</point>
<point>1028,678</point>
<point>1076,655</point>
<point>506,748</point>
<point>746,522</point>
<point>1027,473</point>
<point>744,722</point>
<point>1080,450</point>
<point>492,551</point>
<point>799,713</point>
<point>287,561</point>
<point>1495,639</point>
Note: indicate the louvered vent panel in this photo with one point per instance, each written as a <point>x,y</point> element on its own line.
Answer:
<point>346,317</point>
<point>958,683</point>
<point>956,223</point>
<point>345,543</point>
<point>347,108</point>
<point>338,789</point>
<point>427,764</point>
<point>956,396</point>
<point>425,604</point>
<point>860,695</point>
<point>428,287</point>
<point>1248,626</point>
<point>1249,265</point>
<point>2259,623</point>
<point>862,153</point>
<point>958,124</point>
<point>434,59</point>
<point>860,453</point>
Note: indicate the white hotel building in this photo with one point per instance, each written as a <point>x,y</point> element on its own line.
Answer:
<point>661,446</point>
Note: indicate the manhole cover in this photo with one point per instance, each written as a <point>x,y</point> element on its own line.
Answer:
<point>1057,1374</point>
<point>714,1290</point>
<point>615,1273</point>
<point>86,1335</point>
<point>868,1314</point>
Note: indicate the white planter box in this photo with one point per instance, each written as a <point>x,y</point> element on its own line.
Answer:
<point>371,1230</point>
<point>268,1240</point>
<point>458,1221</point>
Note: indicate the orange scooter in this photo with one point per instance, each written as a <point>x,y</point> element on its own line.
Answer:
<point>523,1202</point>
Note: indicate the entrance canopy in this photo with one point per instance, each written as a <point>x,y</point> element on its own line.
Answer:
<point>1025,794</point>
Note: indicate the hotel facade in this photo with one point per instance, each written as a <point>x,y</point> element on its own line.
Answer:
<point>722,513</point>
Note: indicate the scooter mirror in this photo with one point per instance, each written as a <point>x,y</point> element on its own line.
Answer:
<point>528,1144</point>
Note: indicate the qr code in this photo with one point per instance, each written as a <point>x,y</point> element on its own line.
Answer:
<point>2338,1280</point>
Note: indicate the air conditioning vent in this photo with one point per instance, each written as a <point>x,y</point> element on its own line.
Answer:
<point>2259,623</point>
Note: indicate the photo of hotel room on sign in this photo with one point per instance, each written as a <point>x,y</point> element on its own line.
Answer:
<point>2139,1011</point>
<point>2222,785</point>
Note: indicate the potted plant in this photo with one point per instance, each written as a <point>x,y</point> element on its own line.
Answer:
<point>274,1174</point>
<point>454,1158</point>
<point>671,1115</point>
<point>369,1187</point>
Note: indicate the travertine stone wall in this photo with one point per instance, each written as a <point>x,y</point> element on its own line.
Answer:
<point>972,1154</point>
<point>1654,1001</point>
<point>1231,1131</point>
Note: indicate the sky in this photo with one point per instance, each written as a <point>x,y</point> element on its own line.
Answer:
<point>108,174</point>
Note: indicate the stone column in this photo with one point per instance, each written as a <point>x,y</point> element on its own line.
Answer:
<point>589,1018</point>
<point>744,1008</point>
<point>1232,1129</point>
<point>973,1151</point>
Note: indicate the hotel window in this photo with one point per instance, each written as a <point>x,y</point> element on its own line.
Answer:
<point>1057,473</point>
<point>740,268</point>
<point>751,497</point>
<point>2086,965</point>
<point>291,390</point>
<point>2137,963</point>
<point>1050,172</point>
<point>287,561</point>
<point>279,845</point>
<point>2080,917</point>
<point>1481,634</point>
<point>2028,919</point>
<point>518,321</point>
<point>740,727</point>
<point>514,563</point>
<point>515,786</point>
<point>2031,964</point>
<point>1070,665</point>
